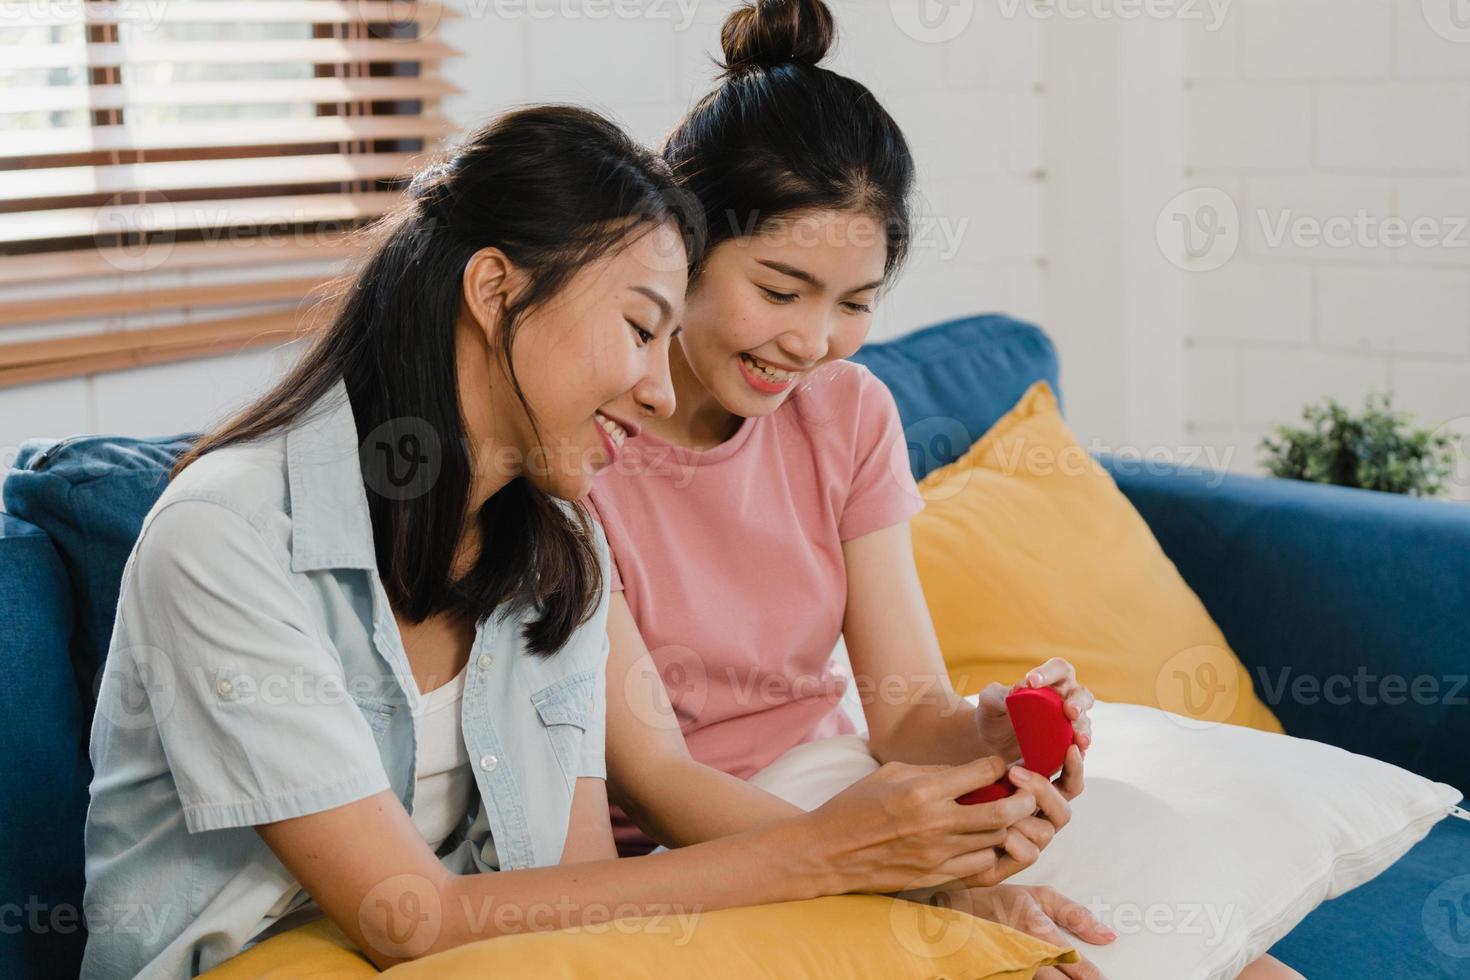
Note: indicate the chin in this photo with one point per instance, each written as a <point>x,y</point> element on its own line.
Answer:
<point>565,486</point>
<point>741,400</point>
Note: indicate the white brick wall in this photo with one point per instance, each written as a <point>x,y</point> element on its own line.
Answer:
<point>1311,112</point>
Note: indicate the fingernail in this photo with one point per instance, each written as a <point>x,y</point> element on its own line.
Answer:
<point>1021,774</point>
<point>1033,679</point>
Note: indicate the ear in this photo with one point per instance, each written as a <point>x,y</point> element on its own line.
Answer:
<point>488,282</point>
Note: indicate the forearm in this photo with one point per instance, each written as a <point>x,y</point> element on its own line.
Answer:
<point>943,729</point>
<point>682,801</point>
<point>778,863</point>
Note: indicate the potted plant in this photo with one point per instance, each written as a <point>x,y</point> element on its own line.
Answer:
<point>1379,449</point>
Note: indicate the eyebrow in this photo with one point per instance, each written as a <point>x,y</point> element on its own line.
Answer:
<point>666,311</point>
<point>807,277</point>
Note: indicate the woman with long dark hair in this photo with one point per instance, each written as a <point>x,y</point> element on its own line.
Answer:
<point>360,648</point>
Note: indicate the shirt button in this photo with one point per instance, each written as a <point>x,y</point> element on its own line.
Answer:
<point>225,687</point>
<point>488,762</point>
<point>484,661</point>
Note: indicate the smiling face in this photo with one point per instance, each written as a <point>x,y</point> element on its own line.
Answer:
<point>592,362</point>
<point>768,308</point>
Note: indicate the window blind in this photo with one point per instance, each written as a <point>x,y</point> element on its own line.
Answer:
<point>177,178</point>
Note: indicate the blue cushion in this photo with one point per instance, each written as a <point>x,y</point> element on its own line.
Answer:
<point>90,495</point>
<point>1359,594</point>
<point>1411,921</point>
<point>954,380</point>
<point>44,770</point>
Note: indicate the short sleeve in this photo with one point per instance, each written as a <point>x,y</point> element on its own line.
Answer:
<point>594,742</point>
<point>882,491</point>
<point>615,579</point>
<point>252,710</point>
<point>593,760</point>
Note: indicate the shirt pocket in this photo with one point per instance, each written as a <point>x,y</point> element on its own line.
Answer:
<point>377,712</point>
<point>563,707</point>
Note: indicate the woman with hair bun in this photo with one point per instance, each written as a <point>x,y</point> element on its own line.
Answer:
<point>767,517</point>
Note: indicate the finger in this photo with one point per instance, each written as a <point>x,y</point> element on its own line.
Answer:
<point>1073,916</point>
<point>1049,798</point>
<point>1071,783</point>
<point>1054,671</point>
<point>1037,830</point>
<point>998,872</point>
<point>993,698</point>
<point>1050,973</point>
<point>952,781</point>
<point>979,817</point>
<point>1078,703</point>
<point>1020,847</point>
<point>970,843</point>
<point>978,865</point>
<point>1043,928</point>
<point>1083,969</point>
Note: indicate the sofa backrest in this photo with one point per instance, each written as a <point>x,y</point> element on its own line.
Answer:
<point>954,380</point>
<point>44,771</point>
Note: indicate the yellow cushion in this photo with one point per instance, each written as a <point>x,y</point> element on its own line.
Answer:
<point>821,939</point>
<point>1027,550</point>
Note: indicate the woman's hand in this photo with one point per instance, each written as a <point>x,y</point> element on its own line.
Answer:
<point>1037,911</point>
<point>1054,811</point>
<point>994,720</point>
<point>900,827</point>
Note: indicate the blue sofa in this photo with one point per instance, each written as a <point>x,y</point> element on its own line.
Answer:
<point>1304,580</point>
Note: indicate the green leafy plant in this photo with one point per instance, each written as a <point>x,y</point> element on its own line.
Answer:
<point>1377,450</point>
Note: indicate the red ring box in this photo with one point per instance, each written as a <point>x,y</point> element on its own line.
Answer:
<point>1044,733</point>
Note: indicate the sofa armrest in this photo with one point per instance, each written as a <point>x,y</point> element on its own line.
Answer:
<point>1350,608</point>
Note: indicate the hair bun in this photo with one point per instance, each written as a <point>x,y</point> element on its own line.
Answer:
<point>769,33</point>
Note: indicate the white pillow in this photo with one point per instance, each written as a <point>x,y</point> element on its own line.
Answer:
<point>1200,845</point>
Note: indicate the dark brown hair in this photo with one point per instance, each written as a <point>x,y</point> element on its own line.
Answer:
<point>781,135</point>
<point>554,187</point>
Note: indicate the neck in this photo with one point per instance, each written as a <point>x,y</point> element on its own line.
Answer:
<point>489,471</point>
<point>699,420</point>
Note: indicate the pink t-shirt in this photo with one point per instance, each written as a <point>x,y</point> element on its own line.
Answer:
<point>731,562</point>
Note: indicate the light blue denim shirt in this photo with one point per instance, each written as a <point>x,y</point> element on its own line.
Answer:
<point>256,673</point>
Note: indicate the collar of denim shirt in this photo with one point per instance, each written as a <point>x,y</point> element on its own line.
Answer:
<point>330,526</point>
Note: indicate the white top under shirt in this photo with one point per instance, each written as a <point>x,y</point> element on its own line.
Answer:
<point>443,782</point>
<point>443,785</point>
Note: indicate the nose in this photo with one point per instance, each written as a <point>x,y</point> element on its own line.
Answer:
<point>809,344</point>
<point>654,392</point>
